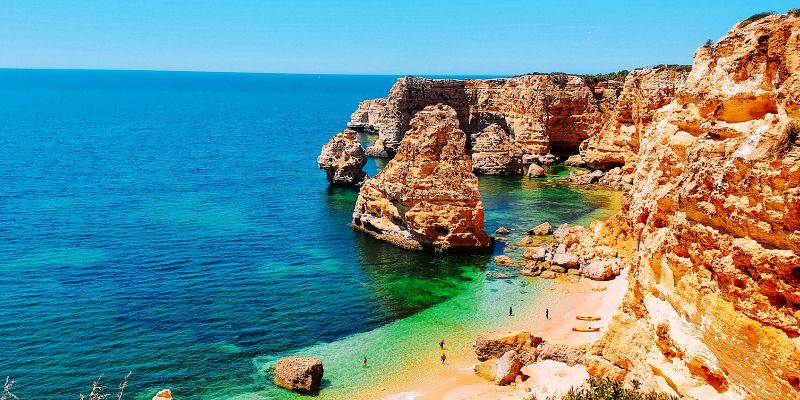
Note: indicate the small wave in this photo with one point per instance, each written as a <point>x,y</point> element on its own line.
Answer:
<point>405,396</point>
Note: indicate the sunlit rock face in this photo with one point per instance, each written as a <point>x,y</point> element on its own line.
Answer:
<point>426,198</point>
<point>541,113</point>
<point>713,309</point>
<point>645,90</point>
<point>343,158</point>
<point>495,153</point>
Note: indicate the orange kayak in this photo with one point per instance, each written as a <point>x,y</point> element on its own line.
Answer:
<point>585,329</point>
<point>582,318</point>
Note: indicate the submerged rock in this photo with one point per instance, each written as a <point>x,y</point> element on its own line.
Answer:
<point>302,374</point>
<point>503,260</point>
<point>164,394</point>
<point>426,198</point>
<point>343,158</point>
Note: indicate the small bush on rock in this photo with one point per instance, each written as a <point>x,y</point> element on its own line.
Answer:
<point>608,389</point>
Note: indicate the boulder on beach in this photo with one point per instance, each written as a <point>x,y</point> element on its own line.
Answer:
<point>301,374</point>
<point>494,344</point>
<point>548,275</point>
<point>163,394</point>
<point>566,260</point>
<point>542,229</point>
<point>600,270</point>
<point>500,371</point>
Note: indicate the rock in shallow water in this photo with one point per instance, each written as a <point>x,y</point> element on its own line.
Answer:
<point>302,374</point>
<point>542,229</point>
<point>426,198</point>
<point>535,171</point>
<point>164,394</point>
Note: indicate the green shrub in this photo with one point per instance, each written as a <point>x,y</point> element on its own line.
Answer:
<point>755,17</point>
<point>795,12</point>
<point>608,389</point>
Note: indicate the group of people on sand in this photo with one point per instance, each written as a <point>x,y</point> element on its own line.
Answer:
<point>443,357</point>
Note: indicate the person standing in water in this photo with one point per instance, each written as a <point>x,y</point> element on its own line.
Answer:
<point>444,358</point>
<point>441,344</point>
<point>365,361</point>
<point>510,311</point>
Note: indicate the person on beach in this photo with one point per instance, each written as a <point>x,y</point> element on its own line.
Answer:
<point>510,311</point>
<point>546,313</point>
<point>441,344</point>
<point>365,361</point>
<point>443,357</point>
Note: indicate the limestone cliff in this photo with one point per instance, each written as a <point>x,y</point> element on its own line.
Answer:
<point>542,113</point>
<point>713,309</point>
<point>426,198</point>
<point>645,90</point>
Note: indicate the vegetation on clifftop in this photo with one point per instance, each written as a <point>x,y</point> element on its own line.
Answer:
<point>755,17</point>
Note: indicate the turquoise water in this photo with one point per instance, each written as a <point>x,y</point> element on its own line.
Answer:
<point>175,225</point>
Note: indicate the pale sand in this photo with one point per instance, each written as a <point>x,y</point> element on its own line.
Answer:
<point>456,381</point>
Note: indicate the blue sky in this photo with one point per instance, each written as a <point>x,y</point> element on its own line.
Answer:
<point>363,37</point>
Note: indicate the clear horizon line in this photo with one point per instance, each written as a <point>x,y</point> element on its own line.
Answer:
<point>510,74</point>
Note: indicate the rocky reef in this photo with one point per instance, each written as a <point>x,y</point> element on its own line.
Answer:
<point>426,198</point>
<point>541,113</point>
<point>343,158</point>
<point>713,308</point>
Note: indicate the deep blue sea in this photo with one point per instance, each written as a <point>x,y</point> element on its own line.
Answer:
<point>176,225</point>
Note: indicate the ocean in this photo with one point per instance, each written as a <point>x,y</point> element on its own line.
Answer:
<point>175,225</point>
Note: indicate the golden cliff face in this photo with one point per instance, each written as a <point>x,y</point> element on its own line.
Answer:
<point>713,309</point>
<point>542,113</point>
<point>645,90</point>
<point>426,198</point>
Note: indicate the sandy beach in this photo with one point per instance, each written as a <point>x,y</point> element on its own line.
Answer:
<point>565,300</point>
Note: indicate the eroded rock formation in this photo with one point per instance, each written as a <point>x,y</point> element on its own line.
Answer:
<point>495,153</point>
<point>343,158</point>
<point>645,90</point>
<point>713,309</point>
<point>542,113</point>
<point>427,196</point>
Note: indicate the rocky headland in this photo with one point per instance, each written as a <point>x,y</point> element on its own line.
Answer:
<point>708,238</point>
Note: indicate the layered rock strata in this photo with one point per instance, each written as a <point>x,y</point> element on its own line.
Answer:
<point>713,309</point>
<point>495,153</point>
<point>645,90</point>
<point>343,158</point>
<point>542,113</point>
<point>426,198</point>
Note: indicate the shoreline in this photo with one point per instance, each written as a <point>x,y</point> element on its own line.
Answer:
<point>565,300</point>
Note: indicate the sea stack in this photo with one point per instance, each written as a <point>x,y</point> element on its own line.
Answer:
<point>343,158</point>
<point>426,198</point>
